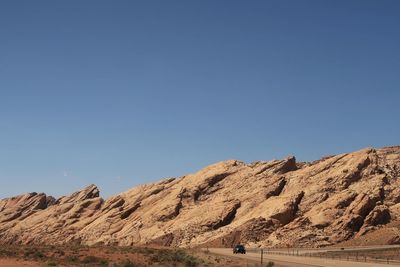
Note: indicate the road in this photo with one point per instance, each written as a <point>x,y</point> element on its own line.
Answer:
<point>295,261</point>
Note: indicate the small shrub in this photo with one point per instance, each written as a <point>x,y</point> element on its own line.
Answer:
<point>7,252</point>
<point>125,263</point>
<point>34,254</point>
<point>60,252</point>
<point>51,263</point>
<point>95,260</point>
<point>176,256</point>
<point>270,264</point>
<point>90,259</point>
<point>145,250</point>
<point>73,259</point>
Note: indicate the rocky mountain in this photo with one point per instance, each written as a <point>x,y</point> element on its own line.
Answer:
<point>352,197</point>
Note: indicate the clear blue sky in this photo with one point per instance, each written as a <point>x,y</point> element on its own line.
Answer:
<point>120,93</point>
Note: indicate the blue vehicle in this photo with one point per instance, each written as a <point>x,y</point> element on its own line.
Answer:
<point>239,249</point>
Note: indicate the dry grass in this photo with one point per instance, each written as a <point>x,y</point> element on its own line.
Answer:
<point>111,256</point>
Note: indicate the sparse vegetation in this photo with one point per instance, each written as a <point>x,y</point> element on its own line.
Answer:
<point>72,259</point>
<point>176,256</point>
<point>7,252</point>
<point>34,254</point>
<point>93,260</point>
<point>125,263</point>
<point>111,256</point>
<point>217,259</point>
<point>51,263</point>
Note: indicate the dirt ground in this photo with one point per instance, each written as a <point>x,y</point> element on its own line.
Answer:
<point>112,256</point>
<point>17,262</point>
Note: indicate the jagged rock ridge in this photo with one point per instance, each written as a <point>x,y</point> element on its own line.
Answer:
<point>268,203</point>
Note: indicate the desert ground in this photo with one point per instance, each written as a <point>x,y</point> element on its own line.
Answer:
<point>15,255</point>
<point>115,256</point>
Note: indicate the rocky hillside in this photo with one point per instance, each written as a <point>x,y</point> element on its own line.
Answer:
<point>347,197</point>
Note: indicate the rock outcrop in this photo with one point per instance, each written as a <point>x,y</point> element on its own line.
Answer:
<point>343,198</point>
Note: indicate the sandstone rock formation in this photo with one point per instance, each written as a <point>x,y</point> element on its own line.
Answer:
<point>343,198</point>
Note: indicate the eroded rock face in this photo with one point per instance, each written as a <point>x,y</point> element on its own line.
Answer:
<point>267,203</point>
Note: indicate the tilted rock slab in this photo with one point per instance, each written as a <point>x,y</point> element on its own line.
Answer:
<point>267,203</point>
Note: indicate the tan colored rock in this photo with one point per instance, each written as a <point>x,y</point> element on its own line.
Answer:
<point>343,198</point>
